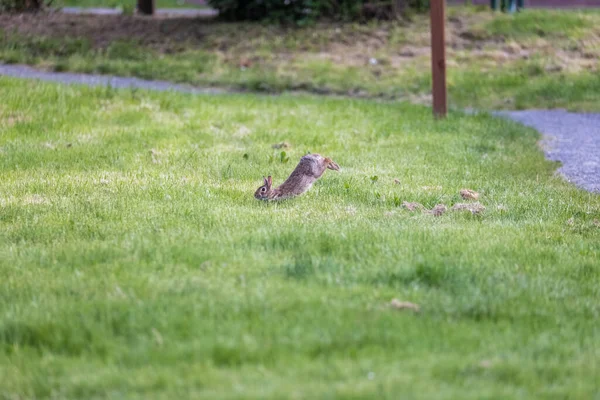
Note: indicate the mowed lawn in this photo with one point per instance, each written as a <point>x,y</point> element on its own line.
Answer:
<point>135,262</point>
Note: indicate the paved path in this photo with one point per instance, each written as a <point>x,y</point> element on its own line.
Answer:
<point>24,71</point>
<point>571,138</point>
<point>542,3</point>
<point>161,12</point>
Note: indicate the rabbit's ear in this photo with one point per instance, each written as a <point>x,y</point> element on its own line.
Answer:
<point>269,181</point>
<point>266,182</point>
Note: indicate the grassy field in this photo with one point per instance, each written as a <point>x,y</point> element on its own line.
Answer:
<point>535,59</point>
<point>135,262</point>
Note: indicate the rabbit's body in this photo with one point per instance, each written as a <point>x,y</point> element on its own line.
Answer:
<point>310,168</point>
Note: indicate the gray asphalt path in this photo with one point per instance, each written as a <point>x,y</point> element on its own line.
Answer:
<point>23,71</point>
<point>571,138</point>
<point>169,12</point>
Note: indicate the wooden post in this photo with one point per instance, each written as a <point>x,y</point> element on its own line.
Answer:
<point>146,7</point>
<point>438,57</point>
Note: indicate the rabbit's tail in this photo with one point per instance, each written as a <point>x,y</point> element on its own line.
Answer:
<point>332,164</point>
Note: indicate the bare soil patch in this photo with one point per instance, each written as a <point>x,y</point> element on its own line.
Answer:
<point>101,30</point>
<point>381,48</point>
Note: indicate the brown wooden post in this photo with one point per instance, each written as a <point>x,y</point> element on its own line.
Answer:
<point>146,7</point>
<point>438,57</point>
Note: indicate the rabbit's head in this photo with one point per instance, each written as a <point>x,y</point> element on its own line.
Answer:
<point>263,192</point>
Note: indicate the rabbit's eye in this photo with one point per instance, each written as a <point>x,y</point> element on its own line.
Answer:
<point>263,189</point>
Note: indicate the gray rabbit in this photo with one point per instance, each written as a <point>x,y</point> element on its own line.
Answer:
<point>310,168</point>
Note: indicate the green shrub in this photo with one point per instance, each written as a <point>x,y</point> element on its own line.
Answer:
<point>418,5</point>
<point>306,11</point>
<point>23,5</point>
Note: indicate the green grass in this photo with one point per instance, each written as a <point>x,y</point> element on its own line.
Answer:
<point>135,262</point>
<point>541,23</point>
<point>535,59</point>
